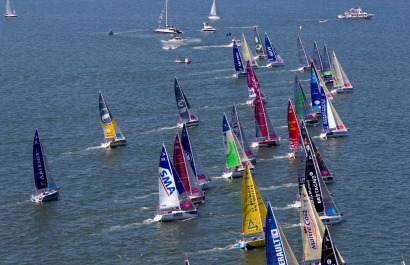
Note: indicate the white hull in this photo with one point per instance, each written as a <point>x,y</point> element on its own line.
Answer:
<point>168,31</point>
<point>45,196</point>
<point>10,15</point>
<point>214,17</point>
<point>175,215</point>
<point>192,123</point>
<point>196,199</point>
<point>275,64</point>
<point>334,134</point>
<point>113,144</point>
<point>238,173</point>
<point>343,90</point>
<point>331,219</point>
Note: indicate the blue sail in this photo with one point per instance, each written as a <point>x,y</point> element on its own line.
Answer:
<point>275,253</point>
<point>166,164</point>
<point>186,146</point>
<point>183,107</point>
<point>323,105</point>
<point>237,58</point>
<point>314,91</point>
<point>269,49</point>
<point>40,174</point>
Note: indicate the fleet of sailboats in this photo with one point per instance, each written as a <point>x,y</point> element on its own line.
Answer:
<point>46,188</point>
<point>112,134</point>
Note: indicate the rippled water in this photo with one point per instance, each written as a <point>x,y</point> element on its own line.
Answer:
<point>56,56</point>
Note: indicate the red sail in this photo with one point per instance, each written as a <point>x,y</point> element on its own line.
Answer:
<point>293,126</point>
<point>260,118</point>
<point>179,164</point>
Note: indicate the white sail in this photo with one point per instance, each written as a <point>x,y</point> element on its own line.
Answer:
<point>214,12</point>
<point>312,229</point>
<point>247,53</point>
<point>340,81</point>
<point>10,12</point>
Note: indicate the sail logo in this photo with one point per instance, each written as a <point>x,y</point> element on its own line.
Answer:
<point>166,179</point>
<point>309,230</point>
<point>238,60</point>
<point>40,169</point>
<point>277,243</point>
<point>270,51</point>
<point>181,106</point>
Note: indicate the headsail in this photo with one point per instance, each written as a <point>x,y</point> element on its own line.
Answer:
<point>237,59</point>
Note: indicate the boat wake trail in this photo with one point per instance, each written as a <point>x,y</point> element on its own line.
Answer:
<point>217,249</point>
<point>210,46</point>
<point>287,185</point>
<point>163,129</point>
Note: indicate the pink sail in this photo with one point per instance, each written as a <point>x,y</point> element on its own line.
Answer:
<point>293,127</point>
<point>179,164</point>
<point>260,118</point>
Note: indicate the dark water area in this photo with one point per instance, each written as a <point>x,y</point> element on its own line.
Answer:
<point>55,58</point>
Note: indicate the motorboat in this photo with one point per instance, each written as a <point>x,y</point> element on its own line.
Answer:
<point>186,60</point>
<point>207,28</point>
<point>355,13</point>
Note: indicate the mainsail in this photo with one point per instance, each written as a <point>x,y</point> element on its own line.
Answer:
<point>274,59</point>
<point>187,116</point>
<point>293,127</point>
<point>317,57</point>
<point>340,81</point>
<point>111,130</point>
<point>247,53</point>
<point>259,46</point>
<point>168,194</point>
<point>330,118</point>
<point>237,59</point>
<point>263,126</point>
<point>278,250</point>
<point>303,109</point>
<point>240,134</point>
<point>303,57</point>
<point>214,12</point>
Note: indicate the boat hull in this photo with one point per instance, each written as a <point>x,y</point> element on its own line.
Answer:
<point>241,74</point>
<point>192,123</point>
<point>343,90</point>
<point>331,219</point>
<point>238,173</point>
<point>334,134</point>
<point>114,143</point>
<point>268,143</point>
<point>275,64</point>
<point>251,244</point>
<point>175,215</point>
<point>44,197</point>
<point>168,31</point>
<point>196,199</point>
<point>214,17</point>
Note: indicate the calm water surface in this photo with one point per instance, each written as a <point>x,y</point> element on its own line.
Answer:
<point>56,56</point>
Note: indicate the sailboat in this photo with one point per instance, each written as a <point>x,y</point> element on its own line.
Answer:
<point>312,229</point>
<point>327,66</point>
<point>186,174</point>
<point>293,130</point>
<point>46,188</point>
<point>254,88</point>
<point>253,214</point>
<point>274,59</point>
<point>318,191</point>
<point>265,133</point>
<point>240,134</point>
<point>174,203</point>
<point>259,46</point>
<point>236,159</point>
<point>332,124</point>
<point>330,255</point>
<point>322,83</point>
<point>303,109</point>
<point>317,57</point>
<point>314,91</point>
<point>303,57</point>
<point>341,83</point>
<point>238,62</point>
<point>214,12</point>
<point>278,250</point>
<point>187,115</point>
<point>193,159</point>
<point>169,29</point>
<point>247,53</point>
<point>10,12</point>
<point>112,134</point>
<point>307,141</point>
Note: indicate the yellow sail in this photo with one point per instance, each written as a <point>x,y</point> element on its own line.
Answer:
<point>253,208</point>
<point>108,129</point>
